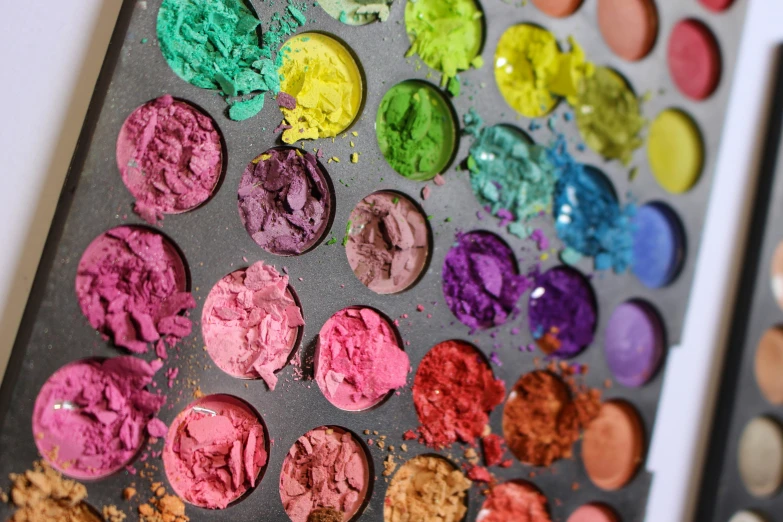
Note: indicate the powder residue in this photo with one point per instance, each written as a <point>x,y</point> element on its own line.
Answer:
<point>562,312</point>
<point>325,468</point>
<point>511,175</point>
<point>359,360</point>
<point>427,488</point>
<point>284,201</point>
<point>454,391</point>
<point>542,419</point>
<point>608,115</point>
<point>357,12</point>
<point>42,494</point>
<point>90,416</point>
<point>588,216</point>
<point>517,501</point>
<point>481,282</point>
<point>446,34</point>
<point>130,285</point>
<point>214,44</point>
<point>250,323</point>
<point>388,242</point>
<point>531,71</point>
<point>214,451</point>
<point>169,155</point>
<point>416,130</point>
<point>323,77</point>
<point>166,508</point>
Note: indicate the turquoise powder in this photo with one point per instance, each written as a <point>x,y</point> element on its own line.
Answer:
<point>511,176</point>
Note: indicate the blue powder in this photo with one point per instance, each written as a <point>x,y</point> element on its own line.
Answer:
<point>588,217</point>
<point>659,245</point>
<point>511,176</point>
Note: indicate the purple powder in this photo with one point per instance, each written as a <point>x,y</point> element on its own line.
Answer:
<point>481,282</point>
<point>634,343</point>
<point>562,312</point>
<point>284,201</point>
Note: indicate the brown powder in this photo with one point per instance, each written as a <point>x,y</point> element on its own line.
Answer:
<point>43,494</point>
<point>543,418</point>
<point>113,514</point>
<point>426,489</point>
<point>325,515</point>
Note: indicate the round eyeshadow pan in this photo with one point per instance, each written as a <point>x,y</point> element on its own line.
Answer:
<point>558,8</point>
<point>340,460</point>
<point>593,513</point>
<point>768,365</point>
<point>634,343</point>
<point>776,273</point>
<point>658,245</point>
<point>675,151</point>
<point>613,445</point>
<point>514,500</point>
<point>760,457</point>
<point>415,128</point>
<point>716,5</point>
<point>215,437</point>
<point>629,27</point>
<point>694,59</point>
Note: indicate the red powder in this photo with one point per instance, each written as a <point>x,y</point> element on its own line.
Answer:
<point>479,474</point>
<point>493,451</point>
<point>454,391</point>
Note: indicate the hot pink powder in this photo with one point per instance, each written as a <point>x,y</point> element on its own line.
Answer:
<point>214,451</point>
<point>130,285</point>
<point>359,360</point>
<point>326,467</point>
<point>250,323</point>
<point>90,416</point>
<point>169,155</point>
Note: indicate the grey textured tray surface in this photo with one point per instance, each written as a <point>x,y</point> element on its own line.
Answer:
<point>214,243</point>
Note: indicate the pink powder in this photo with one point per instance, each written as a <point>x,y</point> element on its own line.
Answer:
<point>251,322</point>
<point>131,287</point>
<point>169,155</point>
<point>90,416</point>
<point>359,360</point>
<point>214,451</point>
<point>326,467</point>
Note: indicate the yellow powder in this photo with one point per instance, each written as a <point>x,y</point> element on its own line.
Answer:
<point>675,151</point>
<point>426,489</point>
<point>324,78</point>
<point>532,73</point>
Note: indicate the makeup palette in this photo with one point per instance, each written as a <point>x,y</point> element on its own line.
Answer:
<point>359,256</point>
<point>744,469</point>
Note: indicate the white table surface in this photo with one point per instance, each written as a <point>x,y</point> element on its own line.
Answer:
<point>51,55</point>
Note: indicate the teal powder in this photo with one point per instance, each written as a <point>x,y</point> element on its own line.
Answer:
<point>511,176</point>
<point>213,44</point>
<point>588,217</point>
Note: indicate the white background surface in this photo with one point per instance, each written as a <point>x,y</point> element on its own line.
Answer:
<point>51,55</point>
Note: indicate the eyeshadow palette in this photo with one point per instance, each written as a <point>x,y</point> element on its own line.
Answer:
<point>387,202</point>
<point>743,473</point>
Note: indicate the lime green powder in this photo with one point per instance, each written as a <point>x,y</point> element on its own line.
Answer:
<point>446,34</point>
<point>608,115</point>
<point>213,44</point>
<point>416,130</point>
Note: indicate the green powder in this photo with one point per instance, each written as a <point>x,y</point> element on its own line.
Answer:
<point>416,130</point>
<point>446,34</point>
<point>357,12</point>
<point>608,115</point>
<point>511,175</point>
<point>213,44</point>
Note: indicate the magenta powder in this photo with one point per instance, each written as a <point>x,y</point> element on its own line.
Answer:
<point>251,322</point>
<point>131,284</point>
<point>481,282</point>
<point>169,155</point>
<point>285,201</point>
<point>90,416</point>
<point>562,312</point>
